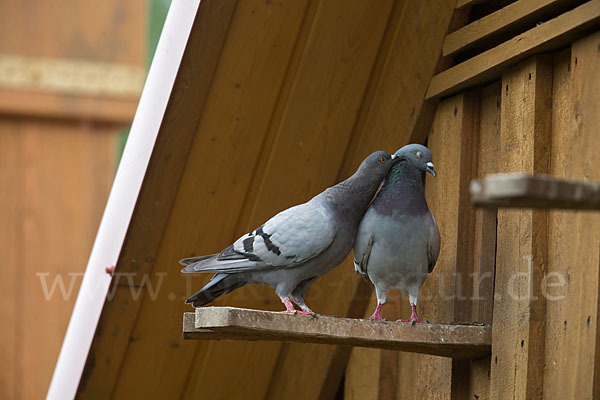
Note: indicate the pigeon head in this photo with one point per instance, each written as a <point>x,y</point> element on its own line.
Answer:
<point>377,164</point>
<point>418,156</point>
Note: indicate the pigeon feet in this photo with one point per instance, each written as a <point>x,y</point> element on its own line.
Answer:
<point>289,309</point>
<point>414,318</point>
<point>377,314</point>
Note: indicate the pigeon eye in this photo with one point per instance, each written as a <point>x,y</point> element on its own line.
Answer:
<point>381,160</point>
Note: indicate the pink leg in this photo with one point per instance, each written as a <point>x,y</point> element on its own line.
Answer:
<point>289,308</point>
<point>414,318</point>
<point>377,314</point>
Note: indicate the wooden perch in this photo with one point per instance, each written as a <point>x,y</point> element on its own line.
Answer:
<point>220,323</point>
<point>526,191</point>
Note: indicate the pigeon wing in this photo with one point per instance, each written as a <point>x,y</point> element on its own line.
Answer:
<point>289,238</point>
<point>433,243</point>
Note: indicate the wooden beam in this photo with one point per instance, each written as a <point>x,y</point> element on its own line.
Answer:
<point>458,341</point>
<point>522,239</point>
<point>65,106</point>
<point>548,36</point>
<point>516,15</point>
<point>464,3</point>
<point>526,191</point>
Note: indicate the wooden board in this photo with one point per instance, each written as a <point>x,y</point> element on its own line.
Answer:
<point>489,65</point>
<point>464,3</point>
<point>484,257</point>
<point>574,256</point>
<point>521,257</point>
<point>19,103</point>
<point>517,15</point>
<point>526,191</point>
<point>462,341</point>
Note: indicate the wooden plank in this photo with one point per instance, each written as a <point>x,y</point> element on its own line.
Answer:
<point>521,257</point>
<point>518,15</point>
<point>446,291</point>
<point>484,258</point>
<point>526,191</point>
<point>548,36</point>
<point>11,248</point>
<point>574,254</point>
<point>157,195</point>
<point>563,234</point>
<point>585,92</point>
<point>71,76</point>
<point>464,3</point>
<point>61,106</point>
<point>459,341</point>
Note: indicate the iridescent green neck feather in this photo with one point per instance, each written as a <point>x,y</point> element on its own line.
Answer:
<point>402,191</point>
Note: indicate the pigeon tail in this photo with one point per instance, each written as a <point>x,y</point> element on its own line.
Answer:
<point>219,284</point>
<point>193,260</point>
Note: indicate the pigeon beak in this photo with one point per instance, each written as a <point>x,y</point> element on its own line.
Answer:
<point>394,156</point>
<point>430,168</point>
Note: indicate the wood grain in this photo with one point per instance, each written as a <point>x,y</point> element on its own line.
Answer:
<point>462,341</point>
<point>521,257</point>
<point>550,35</point>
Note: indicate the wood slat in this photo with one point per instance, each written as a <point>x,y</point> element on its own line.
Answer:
<point>574,253</point>
<point>521,257</point>
<point>464,3</point>
<point>525,191</point>
<point>548,36</point>
<point>61,106</point>
<point>462,341</point>
<point>563,236</point>
<point>484,257</point>
<point>446,292</point>
<point>12,248</point>
<point>518,15</point>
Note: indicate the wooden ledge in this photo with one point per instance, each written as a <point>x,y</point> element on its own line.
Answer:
<point>526,191</point>
<point>228,323</point>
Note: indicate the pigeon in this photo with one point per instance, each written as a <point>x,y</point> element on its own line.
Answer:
<point>398,240</point>
<point>298,245</point>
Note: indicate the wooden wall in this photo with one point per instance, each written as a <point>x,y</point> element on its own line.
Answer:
<point>540,118</point>
<point>58,155</point>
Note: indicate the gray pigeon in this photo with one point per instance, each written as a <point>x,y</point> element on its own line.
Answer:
<point>398,240</point>
<point>296,246</point>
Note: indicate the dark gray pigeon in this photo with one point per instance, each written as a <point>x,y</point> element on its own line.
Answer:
<point>296,246</point>
<point>398,240</point>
